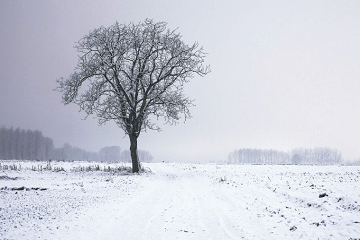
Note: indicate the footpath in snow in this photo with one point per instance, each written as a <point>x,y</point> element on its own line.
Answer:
<point>192,201</point>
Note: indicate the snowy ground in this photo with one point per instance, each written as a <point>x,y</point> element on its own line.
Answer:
<point>181,201</point>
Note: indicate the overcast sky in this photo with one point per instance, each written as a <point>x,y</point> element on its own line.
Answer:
<point>285,74</point>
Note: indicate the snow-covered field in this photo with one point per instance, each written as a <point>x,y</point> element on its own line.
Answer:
<point>180,201</point>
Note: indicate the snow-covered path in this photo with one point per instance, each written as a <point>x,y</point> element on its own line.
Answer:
<point>182,201</point>
<point>175,204</point>
<point>207,201</point>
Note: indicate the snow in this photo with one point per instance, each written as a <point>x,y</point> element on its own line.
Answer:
<point>181,201</point>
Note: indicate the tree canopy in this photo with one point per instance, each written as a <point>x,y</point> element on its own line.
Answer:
<point>134,71</point>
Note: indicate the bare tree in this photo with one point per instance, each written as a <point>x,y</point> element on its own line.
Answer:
<point>134,71</point>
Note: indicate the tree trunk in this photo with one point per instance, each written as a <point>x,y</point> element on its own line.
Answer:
<point>134,155</point>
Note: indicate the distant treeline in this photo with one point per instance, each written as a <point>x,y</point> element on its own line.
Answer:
<point>24,144</point>
<point>20,144</point>
<point>306,156</point>
<point>105,154</point>
<point>354,163</point>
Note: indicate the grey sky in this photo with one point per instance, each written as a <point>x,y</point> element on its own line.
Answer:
<point>285,74</point>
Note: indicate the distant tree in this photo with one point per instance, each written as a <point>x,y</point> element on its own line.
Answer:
<point>26,144</point>
<point>32,145</point>
<point>17,137</point>
<point>70,153</point>
<point>36,144</point>
<point>39,145</point>
<point>92,156</point>
<point>355,162</point>
<point>110,154</point>
<point>65,152</point>
<point>232,157</point>
<point>257,156</point>
<point>125,156</point>
<point>145,156</point>
<point>133,71</point>
<point>317,156</point>
<point>2,142</point>
<point>49,147</point>
<point>56,154</point>
<point>12,144</point>
<point>21,144</point>
<point>296,159</point>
